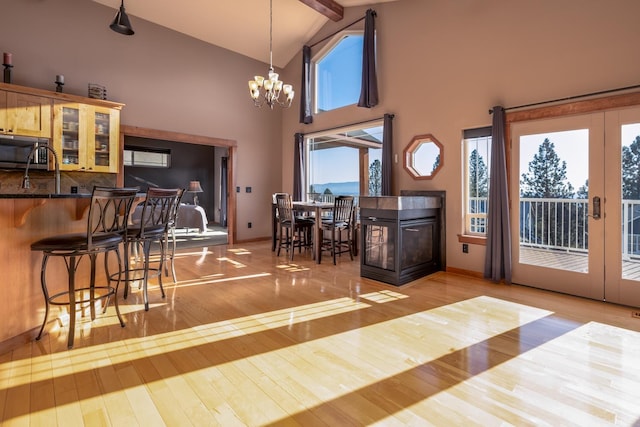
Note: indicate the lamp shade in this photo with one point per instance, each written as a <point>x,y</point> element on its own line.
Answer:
<point>194,187</point>
<point>121,22</point>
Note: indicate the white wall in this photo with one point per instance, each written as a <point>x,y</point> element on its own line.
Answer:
<point>442,64</point>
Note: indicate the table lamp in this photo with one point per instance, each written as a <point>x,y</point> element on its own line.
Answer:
<point>195,188</point>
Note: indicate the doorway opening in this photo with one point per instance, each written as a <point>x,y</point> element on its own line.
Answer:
<point>187,158</point>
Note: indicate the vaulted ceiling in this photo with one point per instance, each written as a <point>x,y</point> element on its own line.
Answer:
<point>242,26</point>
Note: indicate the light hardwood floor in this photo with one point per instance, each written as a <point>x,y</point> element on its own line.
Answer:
<point>248,338</point>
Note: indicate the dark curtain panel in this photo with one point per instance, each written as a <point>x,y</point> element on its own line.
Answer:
<point>298,167</point>
<point>497,265</point>
<point>387,155</point>
<point>223,191</point>
<point>305,87</point>
<point>369,90</point>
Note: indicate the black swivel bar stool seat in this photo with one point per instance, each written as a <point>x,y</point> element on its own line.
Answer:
<point>157,212</point>
<point>106,226</point>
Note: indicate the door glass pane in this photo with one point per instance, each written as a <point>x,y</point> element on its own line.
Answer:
<point>554,187</point>
<point>630,188</point>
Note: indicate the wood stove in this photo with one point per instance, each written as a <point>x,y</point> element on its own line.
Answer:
<point>400,237</point>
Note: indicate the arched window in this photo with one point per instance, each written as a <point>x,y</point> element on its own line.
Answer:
<point>338,72</point>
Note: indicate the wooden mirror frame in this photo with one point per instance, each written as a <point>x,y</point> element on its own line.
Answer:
<point>412,148</point>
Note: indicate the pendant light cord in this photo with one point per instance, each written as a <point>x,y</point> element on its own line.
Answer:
<point>270,34</point>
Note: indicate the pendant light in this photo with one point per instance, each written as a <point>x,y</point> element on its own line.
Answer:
<point>267,90</point>
<point>121,22</point>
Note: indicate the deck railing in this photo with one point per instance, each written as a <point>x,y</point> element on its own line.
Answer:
<point>561,224</point>
<point>554,224</point>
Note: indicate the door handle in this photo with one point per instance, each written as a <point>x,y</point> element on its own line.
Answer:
<point>596,207</point>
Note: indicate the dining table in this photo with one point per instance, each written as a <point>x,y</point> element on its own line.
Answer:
<point>314,208</point>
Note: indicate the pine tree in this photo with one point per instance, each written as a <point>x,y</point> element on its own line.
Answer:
<point>547,176</point>
<point>631,170</point>
<point>478,176</point>
<point>375,178</point>
<point>547,179</point>
<point>583,191</point>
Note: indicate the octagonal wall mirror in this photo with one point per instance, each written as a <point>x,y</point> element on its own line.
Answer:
<point>423,157</point>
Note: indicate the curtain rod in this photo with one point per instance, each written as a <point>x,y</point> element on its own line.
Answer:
<point>341,29</point>
<point>348,125</point>
<point>570,98</point>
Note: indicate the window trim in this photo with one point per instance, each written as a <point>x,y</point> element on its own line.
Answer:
<point>466,236</point>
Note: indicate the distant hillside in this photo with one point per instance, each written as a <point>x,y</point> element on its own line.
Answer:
<point>351,188</point>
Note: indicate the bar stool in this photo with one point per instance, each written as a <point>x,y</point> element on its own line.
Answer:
<point>170,233</point>
<point>106,225</point>
<point>156,215</point>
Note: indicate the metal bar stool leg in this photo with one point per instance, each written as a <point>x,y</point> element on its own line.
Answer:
<point>45,292</point>
<point>71,268</point>
<point>115,292</point>
<point>92,287</point>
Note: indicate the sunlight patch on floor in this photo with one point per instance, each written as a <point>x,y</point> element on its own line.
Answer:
<point>355,358</point>
<point>551,380</point>
<point>361,357</point>
<point>135,348</point>
<point>383,296</point>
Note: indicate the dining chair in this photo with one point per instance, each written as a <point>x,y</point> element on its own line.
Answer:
<point>292,231</point>
<point>157,212</point>
<point>340,221</point>
<point>106,226</point>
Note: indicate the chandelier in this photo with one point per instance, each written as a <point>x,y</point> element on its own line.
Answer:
<point>268,90</point>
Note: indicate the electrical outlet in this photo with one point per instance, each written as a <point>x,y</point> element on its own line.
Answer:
<point>636,314</point>
<point>249,225</point>
<point>465,248</point>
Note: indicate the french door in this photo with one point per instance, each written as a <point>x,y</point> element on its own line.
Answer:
<point>575,207</point>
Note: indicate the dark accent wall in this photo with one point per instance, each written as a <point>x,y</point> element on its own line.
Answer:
<point>189,162</point>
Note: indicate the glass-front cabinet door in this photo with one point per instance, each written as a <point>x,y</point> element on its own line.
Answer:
<point>68,136</point>
<point>86,137</point>
<point>103,140</point>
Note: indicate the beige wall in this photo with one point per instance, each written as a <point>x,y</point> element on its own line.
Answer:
<point>168,81</point>
<point>442,64</point>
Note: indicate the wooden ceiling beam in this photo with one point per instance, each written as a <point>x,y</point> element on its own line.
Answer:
<point>328,8</point>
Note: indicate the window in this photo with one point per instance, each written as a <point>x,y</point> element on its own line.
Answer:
<point>477,155</point>
<point>345,162</point>
<point>147,157</point>
<point>338,72</point>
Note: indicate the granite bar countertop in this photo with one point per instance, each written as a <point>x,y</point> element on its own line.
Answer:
<point>45,196</point>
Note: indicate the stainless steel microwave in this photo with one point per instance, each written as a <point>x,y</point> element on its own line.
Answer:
<point>15,150</point>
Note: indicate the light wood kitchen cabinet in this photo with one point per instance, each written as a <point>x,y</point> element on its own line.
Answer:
<point>25,114</point>
<point>86,137</point>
